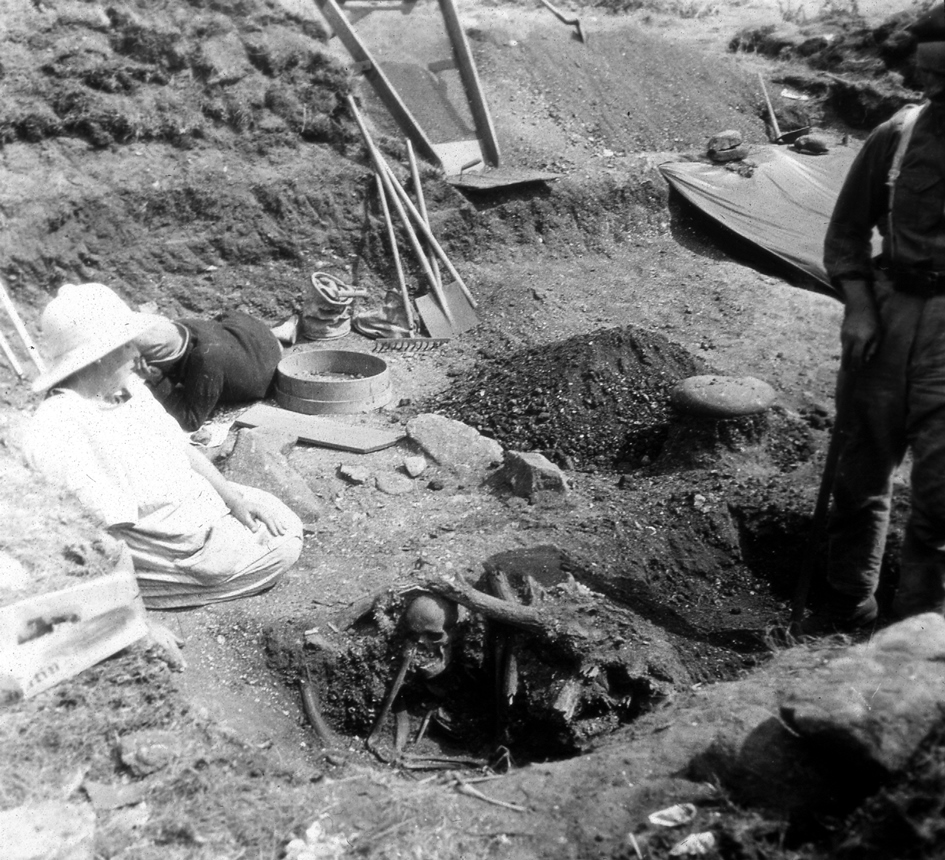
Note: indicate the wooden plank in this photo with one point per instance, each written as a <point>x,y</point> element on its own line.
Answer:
<point>319,431</point>
<point>470,79</point>
<point>48,638</point>
<point>381,83</point>
<point>500,178</point>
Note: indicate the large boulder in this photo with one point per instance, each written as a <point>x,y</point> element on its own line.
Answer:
<point>874,704</point>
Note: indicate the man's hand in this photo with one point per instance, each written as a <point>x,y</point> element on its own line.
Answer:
<point>861,331</point>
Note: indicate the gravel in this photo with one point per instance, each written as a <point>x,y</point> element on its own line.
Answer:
<point>590,401</point>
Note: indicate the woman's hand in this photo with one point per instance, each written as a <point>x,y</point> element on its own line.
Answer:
<point>168,642</point>
<point>252,514</point>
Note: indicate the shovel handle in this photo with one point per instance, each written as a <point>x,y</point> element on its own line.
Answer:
<point>845,383</point>
<point>421,204</point>
<point>11,356</point>
<point>14,315</point>
<point>396,193</point>
<point>774,119</point>
<point>428,235</point>
<point>392,238</point>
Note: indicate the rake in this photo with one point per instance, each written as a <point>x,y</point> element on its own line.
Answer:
<point>408,344</point>
<point>412,343</point>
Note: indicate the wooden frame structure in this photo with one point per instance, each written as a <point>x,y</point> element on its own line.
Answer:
<point>486,143</point>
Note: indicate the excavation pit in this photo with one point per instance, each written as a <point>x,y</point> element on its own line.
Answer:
<point>577,665</point>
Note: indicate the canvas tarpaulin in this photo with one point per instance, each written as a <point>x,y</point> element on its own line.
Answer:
<point>783,206</point>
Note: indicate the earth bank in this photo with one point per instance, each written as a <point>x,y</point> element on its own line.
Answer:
<point>181,156</point>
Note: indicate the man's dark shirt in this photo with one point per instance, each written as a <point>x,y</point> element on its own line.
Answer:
<point>230,359</point>
<point>919,202</point>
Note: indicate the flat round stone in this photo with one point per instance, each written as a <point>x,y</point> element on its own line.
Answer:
<point>722,396</point>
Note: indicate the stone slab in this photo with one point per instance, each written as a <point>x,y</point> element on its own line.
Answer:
<point>319,431</point>
<point>454,445</point>
<point>714,396</point>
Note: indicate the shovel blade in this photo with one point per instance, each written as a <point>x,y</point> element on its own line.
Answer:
<point>435,320</point>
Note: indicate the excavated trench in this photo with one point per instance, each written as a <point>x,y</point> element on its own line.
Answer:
<point>679,586</point>
<point>613,645</point>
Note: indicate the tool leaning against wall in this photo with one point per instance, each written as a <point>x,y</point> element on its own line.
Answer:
<point>31,350</point>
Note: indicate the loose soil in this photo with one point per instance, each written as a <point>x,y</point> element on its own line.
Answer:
<point>199,156</point>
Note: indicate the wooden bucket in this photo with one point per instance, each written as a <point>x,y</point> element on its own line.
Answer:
<point>332,381</point>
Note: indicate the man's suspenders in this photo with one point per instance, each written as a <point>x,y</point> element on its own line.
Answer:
<point>910,113</point>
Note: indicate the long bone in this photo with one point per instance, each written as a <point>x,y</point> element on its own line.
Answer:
<point>409,652</point>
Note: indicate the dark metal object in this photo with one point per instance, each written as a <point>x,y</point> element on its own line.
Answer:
<point>819,519</point>
<point>779,136</point>
<point>564,19</point>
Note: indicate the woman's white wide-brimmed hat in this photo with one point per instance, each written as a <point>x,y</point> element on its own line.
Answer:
<point>83,323</point>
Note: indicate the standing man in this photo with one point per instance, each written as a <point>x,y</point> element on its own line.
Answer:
<point>891,389</point>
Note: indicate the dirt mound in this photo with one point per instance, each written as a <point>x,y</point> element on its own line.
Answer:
<point>589,401</point>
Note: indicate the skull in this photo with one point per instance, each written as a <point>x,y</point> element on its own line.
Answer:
<point>430,620</point>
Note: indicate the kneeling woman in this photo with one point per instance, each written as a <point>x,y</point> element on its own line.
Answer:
<point>195,537</point>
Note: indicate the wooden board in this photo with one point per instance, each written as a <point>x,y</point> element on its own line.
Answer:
<point>48,638</point>
<point>319,431</point>
<point>501,177</point>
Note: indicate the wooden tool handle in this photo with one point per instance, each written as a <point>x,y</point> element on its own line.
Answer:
<point>392,238</point>
<point>774,119</point>
<point>397,194</point>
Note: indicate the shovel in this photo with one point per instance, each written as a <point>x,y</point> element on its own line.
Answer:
<point>779,136</point>
<point>464,314</point>
<point>435,321</point>
<point>572,21</point>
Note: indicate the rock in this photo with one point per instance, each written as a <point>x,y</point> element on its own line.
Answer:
<point>259,460</point>
<point>114,796</point>
<point>393,484</point>
<point>735,154</point>
<point>48,831</point>
<point>415,466</point>
<point>534,477</point>
<point>875,703</point>
<point>811,143</point>
<point>454,445</point>
<point>354,474</point>
<point>722,396</point>
<point>149,750</point>
<point>728,139</point>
